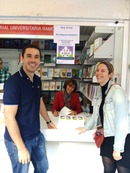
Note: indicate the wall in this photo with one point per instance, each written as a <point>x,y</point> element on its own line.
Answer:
<point>104,9</point>
<point>11,57</point>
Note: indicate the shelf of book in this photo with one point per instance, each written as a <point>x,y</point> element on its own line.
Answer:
<point>77,72</point>
<point>103,53</point>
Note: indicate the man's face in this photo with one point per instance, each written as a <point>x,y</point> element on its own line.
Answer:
<point>31,60</point>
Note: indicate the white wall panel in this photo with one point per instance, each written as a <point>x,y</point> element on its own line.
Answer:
<point>103,9</point>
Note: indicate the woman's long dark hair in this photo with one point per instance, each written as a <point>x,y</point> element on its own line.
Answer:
<point>70,82</point>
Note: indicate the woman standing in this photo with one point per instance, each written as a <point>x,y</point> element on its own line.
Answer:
<point>110,114</point>
<point>68,97</point>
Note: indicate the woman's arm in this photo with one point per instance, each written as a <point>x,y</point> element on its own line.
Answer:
<point>58,103</point>
<point>121,119</point>
<point>55,104</point>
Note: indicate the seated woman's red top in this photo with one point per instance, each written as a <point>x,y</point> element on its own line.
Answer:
<point>59,102</point>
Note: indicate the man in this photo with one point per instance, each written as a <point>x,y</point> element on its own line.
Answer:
<point>22,105</point>
<point>4,75</point>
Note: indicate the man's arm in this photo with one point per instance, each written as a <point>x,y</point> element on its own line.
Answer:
<point>13,129</point>
<point>45,115</point>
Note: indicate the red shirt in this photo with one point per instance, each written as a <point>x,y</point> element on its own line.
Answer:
<point>59,102</point>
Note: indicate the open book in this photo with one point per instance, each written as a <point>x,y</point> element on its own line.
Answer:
<point>65,111</point>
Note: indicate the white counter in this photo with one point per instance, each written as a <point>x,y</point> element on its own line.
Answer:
<point>67,151</point>
<point>70,152</point>
<point>68,135</point>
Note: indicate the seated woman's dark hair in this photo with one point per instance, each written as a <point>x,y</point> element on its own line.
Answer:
<point>70,82</point>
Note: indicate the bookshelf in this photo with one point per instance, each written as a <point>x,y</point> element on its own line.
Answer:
<point>53,75</point>
<point>59,73</point>
<point>82,73</point>
<point>100,45</point>
<point>104,52</point>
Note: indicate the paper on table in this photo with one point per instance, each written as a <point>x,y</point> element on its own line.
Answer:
<point>65,111</point>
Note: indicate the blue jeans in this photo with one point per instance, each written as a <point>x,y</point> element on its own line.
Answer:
<point>37,150</point>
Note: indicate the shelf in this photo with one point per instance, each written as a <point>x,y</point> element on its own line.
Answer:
<point>50,91</point>
<point>49,65</point>
<point>103,32</point>
<point>87,79</point>
<point>104,52</point>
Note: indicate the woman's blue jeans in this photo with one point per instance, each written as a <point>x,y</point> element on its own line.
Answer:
<point>37,150</point>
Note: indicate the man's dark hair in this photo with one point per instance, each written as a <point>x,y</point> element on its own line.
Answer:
<point>31,46</point>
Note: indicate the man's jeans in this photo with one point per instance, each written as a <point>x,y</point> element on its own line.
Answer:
<point>37,150</point>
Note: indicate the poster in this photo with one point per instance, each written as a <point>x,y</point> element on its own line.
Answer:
<point>66,37</point>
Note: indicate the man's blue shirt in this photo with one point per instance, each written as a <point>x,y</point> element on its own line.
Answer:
<point>20,90</point>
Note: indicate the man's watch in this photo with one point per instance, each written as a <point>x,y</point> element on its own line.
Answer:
<point>48,122</point>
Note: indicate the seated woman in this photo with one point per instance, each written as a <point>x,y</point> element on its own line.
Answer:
<point>68,97</point>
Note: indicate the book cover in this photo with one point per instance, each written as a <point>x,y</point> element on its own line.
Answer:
<point>52,97</point>
<point>38,72</point>
<point>35,42</point>
<point>44,72</point>
<point>50,45</point>
<point>25,42</point>
<point>69,73</point>
<point>17,43</point>
<point>1,43</point>
<point>62,85</point>
<point>91,49</point>
<point>80,73</point>
<point>93,70</point>
<point>86,72</point>
<point>45,85</point>
<point>97,43</point>
<point>56,72</point>
<point>90,72</point>
<point>63,72</point>
<point>58,85</point>
<point>42,44</point>
<point>49,60</point>
<point>50,72</point>
<point>52,85</point>
<point>75,73</point>
<point>8,43</point>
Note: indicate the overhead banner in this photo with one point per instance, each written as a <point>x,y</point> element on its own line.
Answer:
<point>23,29</point>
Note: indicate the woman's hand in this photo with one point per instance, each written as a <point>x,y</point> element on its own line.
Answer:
<point>117,155</point>
<point>73,112</point>
<point>56,113</point>
<point>100,130</point>
<point>81,129</point>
